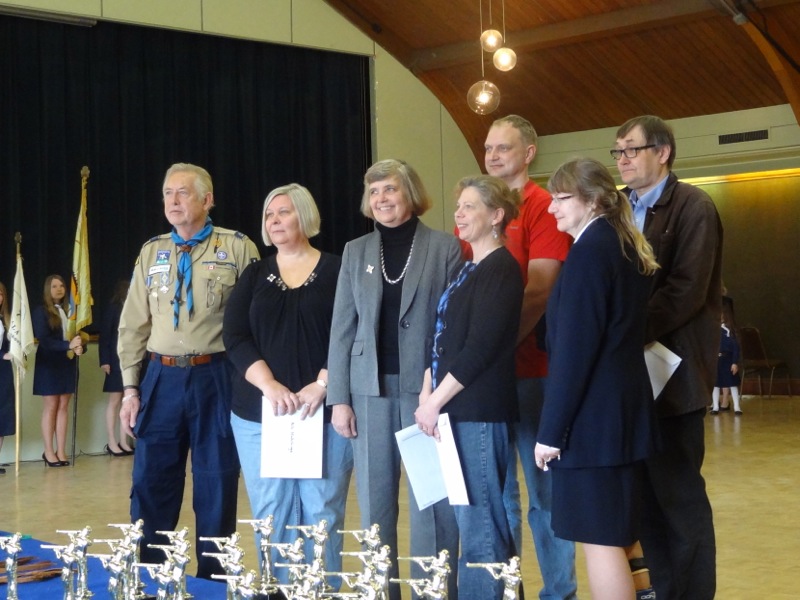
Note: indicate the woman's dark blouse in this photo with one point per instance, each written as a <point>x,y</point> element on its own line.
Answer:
<point>288,328</point>
<point>397,244</point>
<point>478,341</point>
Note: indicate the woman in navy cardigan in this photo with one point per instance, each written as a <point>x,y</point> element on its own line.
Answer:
<point>471,376</point>
<point>598,417</point>
<point>54,377</point>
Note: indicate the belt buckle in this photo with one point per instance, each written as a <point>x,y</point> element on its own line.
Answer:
<point>183,361</point>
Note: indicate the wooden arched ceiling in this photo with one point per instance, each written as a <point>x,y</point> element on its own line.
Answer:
<point>587,64</point>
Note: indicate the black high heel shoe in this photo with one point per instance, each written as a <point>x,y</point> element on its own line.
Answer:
<point>112,453</point>
<point>56,463</point>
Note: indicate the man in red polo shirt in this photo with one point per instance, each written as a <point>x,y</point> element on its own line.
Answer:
<point>540,249</point>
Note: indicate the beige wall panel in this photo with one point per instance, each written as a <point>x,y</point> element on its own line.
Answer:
<point>317,25</point>
<point>266,20</point>
<point>699,152</point>
<point>457,161</point>
<point>408,126</point>
<point>177,14</point>
<point>91,8</point>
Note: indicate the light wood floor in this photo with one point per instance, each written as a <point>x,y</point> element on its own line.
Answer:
<point>752,469</point>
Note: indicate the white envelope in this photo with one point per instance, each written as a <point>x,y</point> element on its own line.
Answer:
<point>433,468</point>
<point>290,447</point>
<point>661,364</point>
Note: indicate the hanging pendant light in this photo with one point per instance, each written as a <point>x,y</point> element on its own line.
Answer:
<point>483,97</point>
<point>491,40</point>
<point>504,59</point>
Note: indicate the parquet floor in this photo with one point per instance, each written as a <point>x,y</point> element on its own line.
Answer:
<point>752,469</point>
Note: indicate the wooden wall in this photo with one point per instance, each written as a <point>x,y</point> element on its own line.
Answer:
<point>761,257</point>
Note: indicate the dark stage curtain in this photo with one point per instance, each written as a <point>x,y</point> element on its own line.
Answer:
<point>129,101</point>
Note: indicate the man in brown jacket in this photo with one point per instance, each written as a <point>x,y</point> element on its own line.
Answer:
<point>681,223</point>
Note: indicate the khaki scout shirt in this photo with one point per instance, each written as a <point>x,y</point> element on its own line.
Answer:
<point>147,316</point>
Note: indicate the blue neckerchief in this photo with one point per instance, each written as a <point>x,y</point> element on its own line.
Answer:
<point>184,275</point>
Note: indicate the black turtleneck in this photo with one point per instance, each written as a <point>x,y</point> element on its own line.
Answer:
<point>396,246</point>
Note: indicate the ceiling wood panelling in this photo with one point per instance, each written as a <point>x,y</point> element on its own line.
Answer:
<point>587,64</point>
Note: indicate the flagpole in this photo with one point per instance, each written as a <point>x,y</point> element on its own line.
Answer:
<point>17,380</point>
<point>79,295</point>
<point>75,408</point>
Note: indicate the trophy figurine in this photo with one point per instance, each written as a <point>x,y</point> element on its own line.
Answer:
<point>178,556</point>
<point>230,557</point>
<point>263,529</point>
<point>68,559</point>
<point>508,573</point>
<point>79,542</point>
<point>434,588</point>
<point>132,585</point>
<point>12,546</point>
<point>369,537</point>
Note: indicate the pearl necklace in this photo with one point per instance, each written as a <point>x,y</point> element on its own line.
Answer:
<point>405,268</point>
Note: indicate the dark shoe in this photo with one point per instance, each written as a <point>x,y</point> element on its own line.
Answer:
<point>130,452</point>
<point>63,463</point>
<point>713,412</point>
<point>112,453</point>
<point>2,471</point>
<point>738,413</point>
<point>56,463</point>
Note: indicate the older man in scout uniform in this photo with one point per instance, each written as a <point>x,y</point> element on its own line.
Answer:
<point>173,312</point>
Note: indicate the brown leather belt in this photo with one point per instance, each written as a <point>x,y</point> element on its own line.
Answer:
<point>188,360</point>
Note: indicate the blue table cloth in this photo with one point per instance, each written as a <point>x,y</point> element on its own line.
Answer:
<point>52,589</point>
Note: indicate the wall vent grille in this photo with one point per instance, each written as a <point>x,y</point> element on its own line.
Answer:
<point>747,136</point>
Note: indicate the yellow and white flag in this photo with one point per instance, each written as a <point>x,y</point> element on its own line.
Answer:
<point>80,286</point>
<point>20,331</point>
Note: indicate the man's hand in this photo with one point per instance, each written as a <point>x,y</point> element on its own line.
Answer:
<point>128,413</point>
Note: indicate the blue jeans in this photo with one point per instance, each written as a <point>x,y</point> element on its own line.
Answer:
<point>485,536</point>
<point>556,556</point>
<point>298,501</point>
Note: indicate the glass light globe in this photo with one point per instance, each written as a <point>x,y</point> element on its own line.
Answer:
<point>491,40</point>
<point>504,59</point>
<point>483,97</point>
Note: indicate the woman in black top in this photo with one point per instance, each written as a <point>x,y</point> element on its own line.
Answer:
<point>54,377</point>
<point>276,332</point>
<point>471,376</point>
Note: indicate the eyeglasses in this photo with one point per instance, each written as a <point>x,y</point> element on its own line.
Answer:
<point>617,153</point>
<point>560,199</point>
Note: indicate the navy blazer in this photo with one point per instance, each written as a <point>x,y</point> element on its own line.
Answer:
<point>598,400</point>
<point>353,354</point>
<point>55,371</point>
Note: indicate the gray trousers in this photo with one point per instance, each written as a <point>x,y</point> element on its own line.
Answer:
<point>377,466</point>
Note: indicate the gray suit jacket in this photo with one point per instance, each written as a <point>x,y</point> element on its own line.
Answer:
<point>353,357</point>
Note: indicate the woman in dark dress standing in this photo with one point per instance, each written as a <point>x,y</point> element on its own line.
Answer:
<point>276,331</point>
<point>598,418</point>
<point>109,363</point>
<point>7,410</point>
<point>54,377</point>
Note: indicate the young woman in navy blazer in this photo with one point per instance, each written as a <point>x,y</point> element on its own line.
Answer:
<point>598,419</point>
